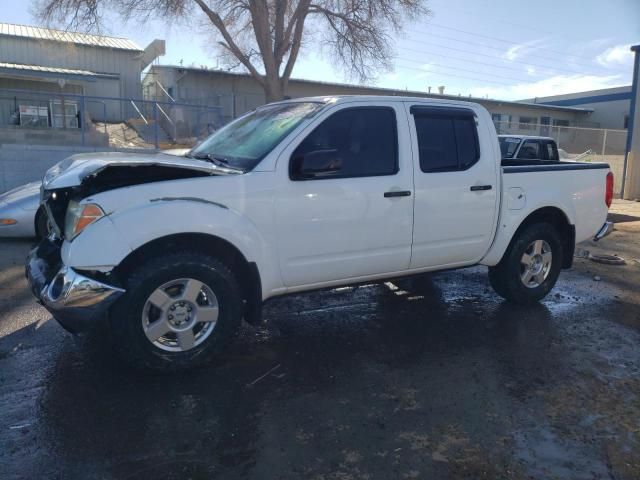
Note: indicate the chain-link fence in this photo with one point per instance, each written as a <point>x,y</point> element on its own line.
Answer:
<point>231,105</point>
<point>52,118</point>
<point>586,144</point>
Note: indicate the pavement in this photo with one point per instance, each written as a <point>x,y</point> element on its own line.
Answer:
<point>433,377</point>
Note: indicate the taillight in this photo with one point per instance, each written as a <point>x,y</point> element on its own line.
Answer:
<point>608,196</point>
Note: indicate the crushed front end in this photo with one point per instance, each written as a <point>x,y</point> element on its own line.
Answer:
<point>78,300</point>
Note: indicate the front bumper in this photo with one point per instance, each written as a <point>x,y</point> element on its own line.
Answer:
<point>77,302</point>
<point>605,230</point>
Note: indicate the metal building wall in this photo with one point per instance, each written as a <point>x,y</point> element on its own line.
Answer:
<point>29,51</point>
<point>238,94</point>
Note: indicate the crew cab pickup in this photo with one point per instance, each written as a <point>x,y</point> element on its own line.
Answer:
<point>174,252</point>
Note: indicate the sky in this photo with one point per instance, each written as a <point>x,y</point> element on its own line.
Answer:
<point>504,49</point>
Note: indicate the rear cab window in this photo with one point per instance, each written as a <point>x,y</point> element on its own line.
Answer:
<point>530,150</point>
<point>447,138</point>
<point>551,151</point>
<point>508,146</point>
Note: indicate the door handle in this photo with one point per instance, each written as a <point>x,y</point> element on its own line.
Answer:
<point>479,188</point>
<point>397,193</point>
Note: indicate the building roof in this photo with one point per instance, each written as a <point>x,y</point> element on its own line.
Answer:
<point>611,94</point>
<point>388,91</point>
<point>77,38</point>
<point>60,72</point>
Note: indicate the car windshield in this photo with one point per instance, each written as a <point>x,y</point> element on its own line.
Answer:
<point>243,143</point>
<point>508,146</point>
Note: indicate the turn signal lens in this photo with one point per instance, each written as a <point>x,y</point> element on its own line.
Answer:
<point>80,217</point>
<point>8,221</point>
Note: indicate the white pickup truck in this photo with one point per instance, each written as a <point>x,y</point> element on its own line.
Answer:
<point>173,252</point>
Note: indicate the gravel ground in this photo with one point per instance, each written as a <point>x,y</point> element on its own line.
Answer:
<point>432,377</point>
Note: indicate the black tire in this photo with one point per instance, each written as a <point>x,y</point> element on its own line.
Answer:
<point>125,319</point>
<point>505,278</point>
<point>41,224</point>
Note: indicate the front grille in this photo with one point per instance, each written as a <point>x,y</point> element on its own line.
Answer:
<point>48,252</point>
<point>55,228</point>
<point>55,203</point>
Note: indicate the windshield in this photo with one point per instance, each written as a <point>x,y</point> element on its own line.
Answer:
<point>243,143</point>
<point>508,146</point>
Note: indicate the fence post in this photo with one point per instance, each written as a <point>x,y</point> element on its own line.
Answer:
<point>155,125</point>
<point>233,106</point>
<point>81,119</point>
<point>604,143</point>
<point>104,115</point>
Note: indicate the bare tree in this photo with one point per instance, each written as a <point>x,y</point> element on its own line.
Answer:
<point>265,36</point>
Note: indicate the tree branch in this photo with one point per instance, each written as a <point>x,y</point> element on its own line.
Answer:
<point>299,18</point>
<point>230,44</point>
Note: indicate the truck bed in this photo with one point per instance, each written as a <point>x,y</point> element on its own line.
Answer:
<point>522,166</point>
<point>577,189</point>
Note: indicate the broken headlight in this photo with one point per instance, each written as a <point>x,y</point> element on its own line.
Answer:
<point>79,216</point>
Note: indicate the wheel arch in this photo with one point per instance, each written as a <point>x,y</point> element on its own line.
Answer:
<point>246,271</point>
<point>547,214</point>
<point>556,217</point>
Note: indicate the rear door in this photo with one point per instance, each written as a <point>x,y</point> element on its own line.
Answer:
<point>456,185</point>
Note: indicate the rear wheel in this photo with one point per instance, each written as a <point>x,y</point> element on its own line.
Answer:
<point>531,265</point>
<point>178,311</point>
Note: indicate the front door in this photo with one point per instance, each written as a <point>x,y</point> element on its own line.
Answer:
<point>456,186</point>
<point>350,213</point>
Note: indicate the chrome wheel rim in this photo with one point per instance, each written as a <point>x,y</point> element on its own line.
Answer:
<point>535,263</point>
<point>179,315</point>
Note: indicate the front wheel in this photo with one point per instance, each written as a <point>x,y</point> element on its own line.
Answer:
<point>531,265</point>
<point>178,311</point>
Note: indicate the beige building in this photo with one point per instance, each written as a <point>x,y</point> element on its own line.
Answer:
<point>47,61</point>
<point>238,93</point>
<point>610,105</point>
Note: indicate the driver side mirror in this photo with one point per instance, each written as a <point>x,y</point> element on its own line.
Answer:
<point>316,164</point>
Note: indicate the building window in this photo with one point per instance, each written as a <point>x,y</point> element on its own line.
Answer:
<point>497,120</point>
<point>561,124</point>
<point>527,123</point>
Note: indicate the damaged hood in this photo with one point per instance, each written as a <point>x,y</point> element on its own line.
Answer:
<point>73,170</point>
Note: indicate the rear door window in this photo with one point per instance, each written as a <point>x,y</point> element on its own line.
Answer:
<point>447,139</point>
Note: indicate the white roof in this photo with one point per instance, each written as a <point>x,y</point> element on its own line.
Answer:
<point>524,137</point>
<point>461,102</point>
<point>38,68</point>
<point>41,33</point>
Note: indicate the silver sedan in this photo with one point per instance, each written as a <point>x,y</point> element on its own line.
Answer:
<point>20,215</point>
